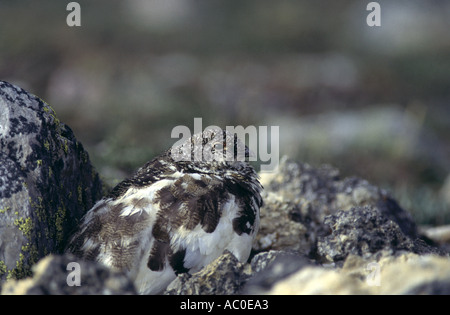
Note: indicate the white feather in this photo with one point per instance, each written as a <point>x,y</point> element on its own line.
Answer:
<point>141,193</point>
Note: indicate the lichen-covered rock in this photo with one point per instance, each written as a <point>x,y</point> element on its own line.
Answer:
<point>225,275</point>
<point>364,231</point>
<point>271,267</point>
<point>55,275</point>
<point>298,197</point>
<point>46,181</point>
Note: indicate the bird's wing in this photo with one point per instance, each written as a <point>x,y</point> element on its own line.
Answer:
<point>107,236</point>
<point>190,208</point>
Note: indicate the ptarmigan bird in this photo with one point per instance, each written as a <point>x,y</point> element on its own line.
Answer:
<point>177,213</point>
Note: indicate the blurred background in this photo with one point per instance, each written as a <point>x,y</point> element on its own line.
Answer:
<point>371,101</point>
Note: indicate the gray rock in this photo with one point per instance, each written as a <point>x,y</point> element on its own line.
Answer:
<point>364,231</point>
<point>53,275</point>
<point>271,267</point>
<point>404,274</point>
<point>298,197</point>
<point>262,260</point>
<point>46,181</point>
<point>225,275</point>
<point>407,273</point>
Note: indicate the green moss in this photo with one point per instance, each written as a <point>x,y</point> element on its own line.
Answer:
<point>3,268</point>
<point>28,255</point>
<point>47,145</point>
<point>80,194</point>
<point>59,222</point>
<point>66,146</point>
<point>22,270</point>
<point>25,225</point>
<point>3,210</point>
<point>32,251</point>
<point>49,110</point>
<point>64,142</point>
<point>41,214</point>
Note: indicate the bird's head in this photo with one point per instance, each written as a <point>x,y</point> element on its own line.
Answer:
<point>213,148</point>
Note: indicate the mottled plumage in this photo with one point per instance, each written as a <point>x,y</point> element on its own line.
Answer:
<point>177,213</point>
